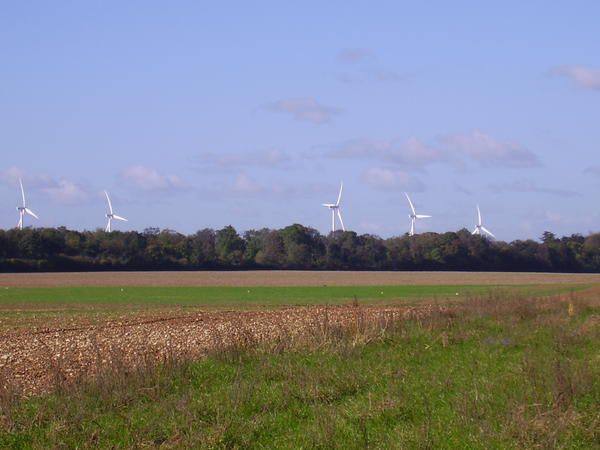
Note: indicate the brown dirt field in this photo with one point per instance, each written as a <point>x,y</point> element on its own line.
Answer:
<point>286,278</point>
<point>37,360</point>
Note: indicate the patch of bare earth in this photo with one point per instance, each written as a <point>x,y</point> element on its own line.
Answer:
<point>287,278</point>
<point>38,359</point>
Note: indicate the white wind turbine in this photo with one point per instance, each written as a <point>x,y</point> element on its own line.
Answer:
<point>414,216</point>
<point>335,208</point>
<point>23,209</point>
<point>111,215</point>
<point>480,230</point>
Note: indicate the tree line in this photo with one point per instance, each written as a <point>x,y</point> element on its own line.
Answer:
<point>292,247</point>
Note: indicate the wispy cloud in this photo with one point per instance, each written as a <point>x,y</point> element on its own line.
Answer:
<point>453,149</point>
<point>387,76</point>
<point>359,68</point>
<point>388,179</point>
<point>525,186</point>
<point>57,190</point>
<point>245,184</point>
<point>401,151</point>
<point>67,192</point>
<point>378,76</point>
<point>583,77</point>
<point>355,55</point>
<point>270,158</point>
<point>305,110</point>
<point>149,179</point>
<point>489,151</point>
<point>457,187</point>
<point>11,176</point>
<point>593,170</point>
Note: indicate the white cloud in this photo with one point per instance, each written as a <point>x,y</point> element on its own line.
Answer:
<point>583,77</point>
<point>244,184</point>
<point>387,76</point>
<point>355,55</point>
<point>409,151</point>
<point>489,151</point>
<point>530,186</point>
<point>461,189</point>
<point>304,109</point>
<point>452,149</point>
<point>387,179</point>
<point>61,191</point>
<point>11,176</point>
<point>66,192</point>
<point>378,76</point>
<point>593,170</point>
<point>149,179</point>
<point>269,158</point>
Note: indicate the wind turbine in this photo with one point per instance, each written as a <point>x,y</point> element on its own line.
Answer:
<point>111,215</point>
<point>414,216</point>
<point>335,208</point>
<point>23,209</point>
<point>480,230</point>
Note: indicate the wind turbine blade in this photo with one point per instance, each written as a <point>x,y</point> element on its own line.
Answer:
<point>412,227</point>
<point>327,205</point>
<point>488,232</point>
<point>31,213</point>
<point>341,220</point>
<point>22,191</point>
<point>423,216</point>
<point>412,208</point>
<point>340,195</point>
<point>119,218</point>
<point>109,203</point>
<point>478,216</point>
<point>475,231</point>
<point>107,229</point>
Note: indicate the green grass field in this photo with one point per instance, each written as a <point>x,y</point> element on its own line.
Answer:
<point>510,372</point>
<point>253,296</point>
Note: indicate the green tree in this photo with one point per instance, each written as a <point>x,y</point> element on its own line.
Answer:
<point>230,246</point>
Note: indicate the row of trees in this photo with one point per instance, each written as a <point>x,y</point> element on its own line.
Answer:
<point>293,247</point>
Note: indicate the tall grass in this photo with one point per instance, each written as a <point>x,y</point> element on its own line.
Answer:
<point>494,371</point>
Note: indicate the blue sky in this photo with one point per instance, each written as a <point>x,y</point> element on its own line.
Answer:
<point>251,113</point>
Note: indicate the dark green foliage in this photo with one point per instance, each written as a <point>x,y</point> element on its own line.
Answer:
<point>230,247</point>
<point>293,247</point>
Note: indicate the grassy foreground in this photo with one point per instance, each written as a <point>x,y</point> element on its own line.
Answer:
<point>498,372</point>
<point>250,296</point>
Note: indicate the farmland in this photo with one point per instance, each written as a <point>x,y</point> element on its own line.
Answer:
<point>287,278</point>
<point>331,359</point>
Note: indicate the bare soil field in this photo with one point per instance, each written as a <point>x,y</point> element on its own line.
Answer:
<point>287,278</point>
<point>38,359</point>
